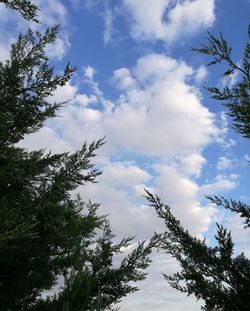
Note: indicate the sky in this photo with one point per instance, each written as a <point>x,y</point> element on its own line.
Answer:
<point>139,85</point>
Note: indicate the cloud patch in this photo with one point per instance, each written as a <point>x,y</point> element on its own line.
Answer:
<point>224,163</point>
<point>159,112</point>
<point>169,20</point>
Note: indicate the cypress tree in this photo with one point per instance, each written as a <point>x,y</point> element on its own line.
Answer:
<point>47,235</point>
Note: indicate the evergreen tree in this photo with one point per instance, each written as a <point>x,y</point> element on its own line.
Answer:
<point>214,274</point>
<point>235,98</point>
<point>25,7</point>
<point>45,233</point>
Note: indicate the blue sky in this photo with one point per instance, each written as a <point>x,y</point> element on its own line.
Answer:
<point>139,85</point>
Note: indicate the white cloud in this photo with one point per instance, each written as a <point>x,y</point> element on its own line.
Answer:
<point>127,214</point>
<point>46,138</point>
<point>4,51</point>
<point>121,174</point>
<point>222,183</point>
<point>247,157</point>
<point>224,163</point>
<point>167,180</point>
<point>85,100</point>
<point>60,47</point>
<point>70,93</point>
<point>89,72</point>
<point>52,13</point>
<point>6,35</point>
<point>169,20</point>
<point>182,195</point>
<point>159,113</point>
<point>64,93</point>
<point>201,74</point>
<point>156,294</point>
<point>108,25</point>
<point>192,164</point>
<point>78,123</point>
<point>147,18</point>
<point>123,79</point>
<point>223,139</point>
<point>240,236</point>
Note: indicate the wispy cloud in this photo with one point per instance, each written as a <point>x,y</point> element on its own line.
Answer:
<point>108,24</point>
<point>104,10</point>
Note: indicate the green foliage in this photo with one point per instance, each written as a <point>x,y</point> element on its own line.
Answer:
<point>236,97</point>
<point>27,9</point>
<point>214,274</point>
<point>46,234</point>
<point>35,193</point>
<point>235,206</point>
<point>100,284</point>
<point>26,80</point>
<point>19,232</point>
<point>210,273</point>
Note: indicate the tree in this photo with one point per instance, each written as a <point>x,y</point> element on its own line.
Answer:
<point>214,274</point>
<point>27,9</point>
<point>45,233</point>
<point>235,98</point>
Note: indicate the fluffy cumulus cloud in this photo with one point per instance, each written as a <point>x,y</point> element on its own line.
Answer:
<point>120,174</point>
<point>159,112</point>
<point>182,194</point>
<point>168,20</point>
<point>46,137</point>
<point>192,164</point>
